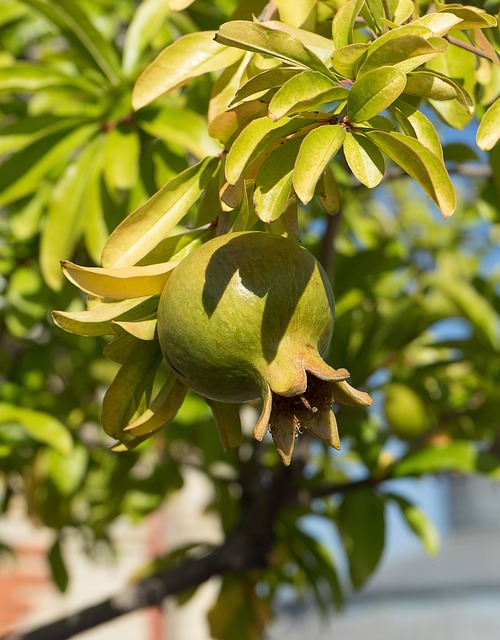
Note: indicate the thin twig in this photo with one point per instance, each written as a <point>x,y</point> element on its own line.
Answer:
<point>468,47</point>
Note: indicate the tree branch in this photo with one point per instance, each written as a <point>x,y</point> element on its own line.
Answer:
<point>246,548</point>
<point>468,47</point>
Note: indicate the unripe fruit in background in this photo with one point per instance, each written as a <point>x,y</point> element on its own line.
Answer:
<point>405,412</point>
<point>249,315</point>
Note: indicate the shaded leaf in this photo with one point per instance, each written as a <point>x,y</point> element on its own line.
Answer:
<point>488,133</point>
<point>300,13</point>
<point>40,426</point>
<point>265,80</point>
<point>364,159</point>
<point>148,18</point>
<point>227,125</point>
<point>406,53</point>
<point>419,524</point>
<point>346,59</point>
<point>315,153</point>
<point>30,76</point>
<point>57,565</point>
<point>328,192</point>
<point>122,150</point>
<point>460,456</point>
<point>421,164</point>
<point>227,419</point>
<point>415,124</point>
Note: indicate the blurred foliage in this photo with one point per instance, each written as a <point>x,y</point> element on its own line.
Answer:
<point>417,299</point>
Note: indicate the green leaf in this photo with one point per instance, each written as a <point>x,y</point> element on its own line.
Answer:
<point>122,149</point>
<point>488,133</point>
<point>419,524</point>
<point>25,132</point>
<point>364,159</point>
<point>362,525</point>
<point>148,225</point>
<point>29,76</point>
<point>343,22</point>
<point>304,91</point>
<point>253,36</point>
<point>346,59</point>
<point>273,183</point>
<point>190,56</point>
<point>68,471</point>
<point>147,20</point>
<point>226,126</point>
<point>128,395</point>
<point>264,81</point>
<point>98,320</point>
<point>459,456</point>
<point>76,26</point>
<point>64,221</point>
<point>180,127</point>
<point>22,172</point>
<point>421,164</point>
<point>300,13</point>
<point>57,565</point>
<point>315,154</point>
<point>328,192</point>
<point>373,92</point>
<point>318,44</point>
<point>426,84</point>
<point>406,53</point>
<point>472,17</point>
<point>226,86</point>
<point>415,124</point>
<point>40,426</point>
<point>227,419</point>
<point>257,137</point>
<point>439,23</point>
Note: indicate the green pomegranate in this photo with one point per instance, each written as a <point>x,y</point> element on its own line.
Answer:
<point>248,315</point>
<point>405,412</point>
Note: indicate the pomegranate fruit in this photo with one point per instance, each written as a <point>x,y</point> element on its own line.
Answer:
<point>249,315</point>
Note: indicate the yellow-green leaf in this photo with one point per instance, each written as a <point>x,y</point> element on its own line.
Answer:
<point>265,80</point>
<point>227,419</point>
<point>122,148</point>
<point>364,159</point>
<point>488,133</point>
<point>415,124</point>
<point>299,13</point>
<point>142,231</point>
<point>39,425</point>
<point>406,52</point>
<point>346,59</point>
<point>304,91</point>
<point>328,192</point>
<point>373,92</point>
<point>315,153</point>
<point>190,56</point>
<point>119,283</point>
<point>343,22</point>
<point>429,85</point>
<point>421,164</point>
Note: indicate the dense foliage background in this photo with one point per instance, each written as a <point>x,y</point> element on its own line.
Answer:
<point>417,296</point>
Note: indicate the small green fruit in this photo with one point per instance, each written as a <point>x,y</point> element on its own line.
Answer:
<point>249,315</point>
<point>405,412</point>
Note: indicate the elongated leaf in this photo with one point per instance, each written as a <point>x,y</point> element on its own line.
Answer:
<point>364,159</point>
<point>406,53</point>
<point>40,426</point>
<point>128,395</point>
<point>58,567</point>
<point>181,127</point>
<point>328,192</point>
<point>144,229</point>
<point>274,181</point>
<point>141,329</point>
<point>226,86</point>
<point>119,283</point>
<point>343,22</point>
<point>147,20</point>
<point>227,419</point>
<point>415,124</point>
<point>122,149</point>
<point>265,80</point>
<point>98,321</point>
<point>252,36</point>
<point>421,164</point>
<point>76,26</point>
<point>362,525</point>
<point>314,156</point>
<point>300,13</point>
<point>439,23</point>
<point>304,91</point>
<point>419,524</point>
<point>460,456</point>
<point>25,132</point>
<point>64,220</point>
<point>472,17</point>
<point>162,410</point>
<point>93,209</point>
<point>318,44</point>
<point>190,56</point>
<point>429,85</point>
<point>226,126</point>
<point>127,349</point>
<point>346,59</point>
<point>488,133</point>
<point>373,92</point>
<point>29,76</point>
<point>21,173</point>
<point>256,137</point>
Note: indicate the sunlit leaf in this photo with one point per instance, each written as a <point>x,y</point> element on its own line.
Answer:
<point>346,59</point>
<point>415,124</point>
<point>460,456</point>
<point>300,13</point>
<point>315,154</point>
<point>121,157</point>
<point>429,85</point>
<point>148,18</point>
<point>144,229</point>
<point>419,524</point>
<point>421,164</point>
<point>439,23</point>
<point>328,192</point>
<point>373,92</point>
<point>406,52</point>
<point>190,56</point>
<point>227,125</point>
<point>265,80</point>
<point>304,91</point>
<point>343,22</point>
<point>488,133</point>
